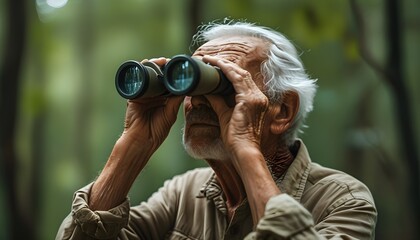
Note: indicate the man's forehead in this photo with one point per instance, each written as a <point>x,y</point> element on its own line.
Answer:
<point>243,42</point>
<point>235,39</point>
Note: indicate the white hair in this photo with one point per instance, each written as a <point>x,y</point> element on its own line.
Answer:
<point>282,71</point>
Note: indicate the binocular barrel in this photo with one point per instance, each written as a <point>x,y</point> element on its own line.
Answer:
<point>182,75</point>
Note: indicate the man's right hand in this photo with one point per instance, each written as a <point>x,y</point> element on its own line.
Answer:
<point>147,124</point>
<point>149,120</point>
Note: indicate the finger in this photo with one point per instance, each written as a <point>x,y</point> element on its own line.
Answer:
<point>159,61</point>
<point>222,110</point>
<point>241,79</point>
<point>150,102</point>
<point>173,104</point>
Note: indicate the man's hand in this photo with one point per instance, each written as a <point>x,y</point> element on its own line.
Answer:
<point>147,124</point>
<point>149,120</point>
<point>241,129</point>
<point>241,126</point>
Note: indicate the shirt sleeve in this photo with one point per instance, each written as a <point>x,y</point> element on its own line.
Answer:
<point>83,223</point>
<point>285,218</point>
<point>148,220</point>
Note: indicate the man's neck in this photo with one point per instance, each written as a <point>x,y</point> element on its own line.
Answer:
<point>231,183</point>
<point>279,161</point>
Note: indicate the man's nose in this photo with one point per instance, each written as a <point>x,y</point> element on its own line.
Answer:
<point>199,101</point>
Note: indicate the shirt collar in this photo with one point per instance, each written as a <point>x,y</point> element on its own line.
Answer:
<point>292,182</point>
<point>212,191</point>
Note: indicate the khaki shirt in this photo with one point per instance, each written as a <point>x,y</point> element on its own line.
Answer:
<point>316,203</point>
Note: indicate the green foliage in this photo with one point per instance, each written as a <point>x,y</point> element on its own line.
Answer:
<point>352,127</point>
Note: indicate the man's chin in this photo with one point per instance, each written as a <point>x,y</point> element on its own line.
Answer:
<point>205,150</point>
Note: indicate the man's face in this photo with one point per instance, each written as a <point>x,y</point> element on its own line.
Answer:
<point>201,136</point>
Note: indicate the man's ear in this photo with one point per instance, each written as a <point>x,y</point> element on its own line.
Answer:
<point>285,113</point>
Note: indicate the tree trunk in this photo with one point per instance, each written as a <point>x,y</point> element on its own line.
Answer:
<point>20,226</point>
<point>393,75</point>
<point>403,106</point>
<point>86,91</point>
<point>195,7</point>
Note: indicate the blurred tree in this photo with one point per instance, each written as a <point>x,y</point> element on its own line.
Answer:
<point>85,36</point>
<point>19,224</point>
<point>393,74</point>
<point>195,16</point>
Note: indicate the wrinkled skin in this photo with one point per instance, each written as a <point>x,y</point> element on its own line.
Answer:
<point>243,129</point>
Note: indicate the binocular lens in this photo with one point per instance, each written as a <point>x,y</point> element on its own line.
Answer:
<point>180,75</point>
<point>136,79</point>
<point>132,82</point>
<point>131,78</point>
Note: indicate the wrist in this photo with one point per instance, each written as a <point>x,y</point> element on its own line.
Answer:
<point>247,159</point>
<point>122,168</point>
<point>130,154</point>
<point>256,178</point>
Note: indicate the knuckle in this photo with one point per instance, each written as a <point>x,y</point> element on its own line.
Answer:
<point>244,74</point>
<point>261,100</point>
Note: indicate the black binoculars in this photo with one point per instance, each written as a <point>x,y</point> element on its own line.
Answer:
<point>182,75</point>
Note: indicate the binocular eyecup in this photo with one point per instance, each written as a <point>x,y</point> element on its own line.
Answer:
<point>182,75</point>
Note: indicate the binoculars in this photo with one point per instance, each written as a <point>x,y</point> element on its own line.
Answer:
<point>182,75</point>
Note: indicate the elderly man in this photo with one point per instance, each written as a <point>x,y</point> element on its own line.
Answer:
<point>261,183</point>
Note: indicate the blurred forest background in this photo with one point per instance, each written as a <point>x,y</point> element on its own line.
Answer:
<point>60,114</point>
